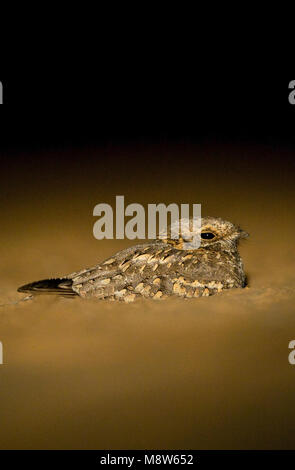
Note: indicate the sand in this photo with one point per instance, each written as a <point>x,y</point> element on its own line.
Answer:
<point>198,374</point>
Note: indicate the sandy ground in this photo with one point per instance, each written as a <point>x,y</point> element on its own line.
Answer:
<point>202,373</point>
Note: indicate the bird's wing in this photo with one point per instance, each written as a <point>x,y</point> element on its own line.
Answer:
<point>116,273</point>
<point>149,270</point>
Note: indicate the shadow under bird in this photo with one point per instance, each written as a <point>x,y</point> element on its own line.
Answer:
<point>159,269</point>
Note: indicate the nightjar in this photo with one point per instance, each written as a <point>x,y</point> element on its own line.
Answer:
<point>159,269</point>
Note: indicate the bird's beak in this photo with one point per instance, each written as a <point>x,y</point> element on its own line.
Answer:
<point>244,234</point>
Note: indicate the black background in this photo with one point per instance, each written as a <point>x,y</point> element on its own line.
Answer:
<point>123,103</point>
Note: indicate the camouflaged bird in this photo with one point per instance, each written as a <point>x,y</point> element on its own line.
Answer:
<point>160,269</point>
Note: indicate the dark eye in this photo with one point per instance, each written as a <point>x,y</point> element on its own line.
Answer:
<point>207,235</point>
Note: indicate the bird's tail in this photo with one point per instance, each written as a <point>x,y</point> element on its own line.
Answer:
<point>60,286</point>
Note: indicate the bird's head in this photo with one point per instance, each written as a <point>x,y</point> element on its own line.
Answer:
<point>212,232</point>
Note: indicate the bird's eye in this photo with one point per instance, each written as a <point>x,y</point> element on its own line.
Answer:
<point>207,235</point>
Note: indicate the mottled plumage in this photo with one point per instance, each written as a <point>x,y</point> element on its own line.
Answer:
<point>160,269</point>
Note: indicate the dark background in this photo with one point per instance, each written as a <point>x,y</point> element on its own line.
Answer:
<point>122,104</point>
